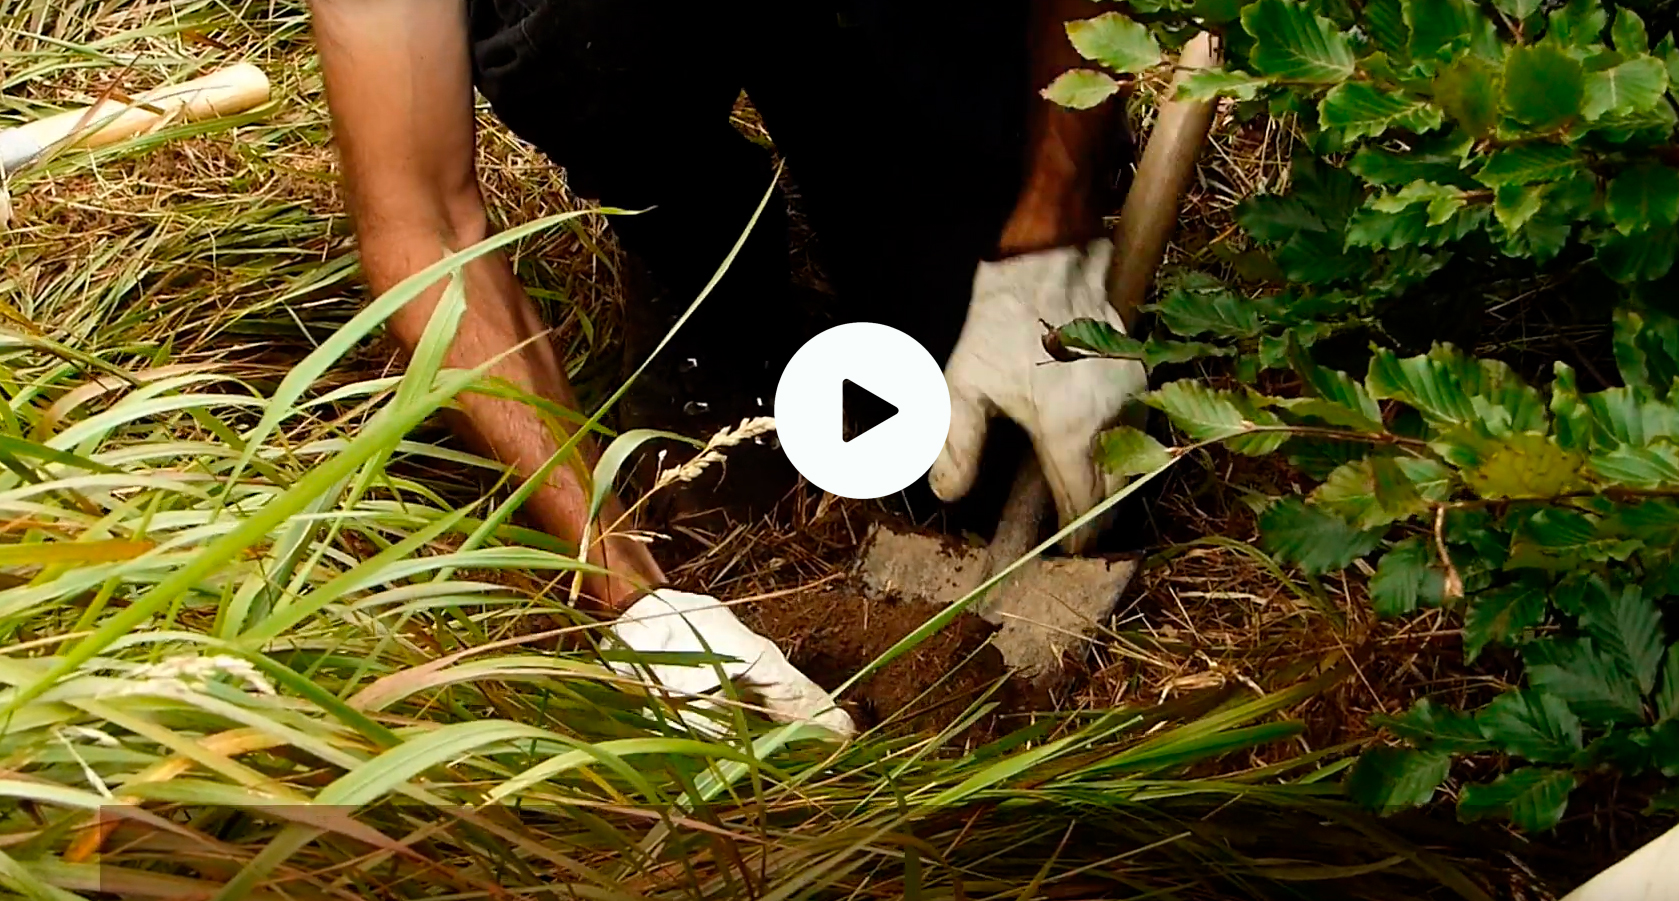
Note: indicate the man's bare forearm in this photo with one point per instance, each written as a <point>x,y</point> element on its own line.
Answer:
<point>1065,150</point>
<point>400,92</point>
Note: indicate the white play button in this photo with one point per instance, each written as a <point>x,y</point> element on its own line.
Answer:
<point>888,381</point>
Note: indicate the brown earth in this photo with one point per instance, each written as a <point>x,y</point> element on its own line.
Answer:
<point>833,634</point>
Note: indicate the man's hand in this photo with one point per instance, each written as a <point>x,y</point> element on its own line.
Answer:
<point>679,621</point>
<point>1000,366</point>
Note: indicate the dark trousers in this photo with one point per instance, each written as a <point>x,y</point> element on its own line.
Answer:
<point>902,123</point>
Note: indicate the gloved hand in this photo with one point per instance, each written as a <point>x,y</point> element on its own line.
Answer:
<point>999,365</point>
<point>667,620</point>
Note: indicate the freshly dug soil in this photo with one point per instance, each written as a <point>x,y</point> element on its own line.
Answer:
<point>831,635</point>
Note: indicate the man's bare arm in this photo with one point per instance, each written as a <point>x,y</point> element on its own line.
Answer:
<point>1066,147</point>
<point>399,85</point>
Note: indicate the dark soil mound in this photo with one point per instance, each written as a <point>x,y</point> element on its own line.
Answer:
<point>831,635</point>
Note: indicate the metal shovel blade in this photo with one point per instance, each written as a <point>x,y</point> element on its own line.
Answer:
<point>1046,607</point>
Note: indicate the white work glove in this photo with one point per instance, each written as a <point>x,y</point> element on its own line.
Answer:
<point>999,365</point>
<point>667,620</point>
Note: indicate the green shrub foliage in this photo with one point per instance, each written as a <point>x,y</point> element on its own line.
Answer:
<point>1458,155</point>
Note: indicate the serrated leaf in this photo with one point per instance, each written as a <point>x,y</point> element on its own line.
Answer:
<point>1527,465</point>
<point>1192,310</point>
<point>1502,614</point>
<point>1528,163</point>
<point>1532,725</point>
<point>1629,88</point>
<point>1468,90</point>
<point>1417,192</point>
<point>1450,389</point>
<point>1293,43</point>
<point>1577,24</point>
<point>1388,780</point>
<point>1344,391</point>
<point>1559,538</point>
<point>1440,29</point>
<point>1628,631</point>
<point>1361,110</point>
<point>1437,158</point>
<point>1517,10</point>
<point>1433,728</point>
<point>1370,493</point>
<point>1533,798</point>
<point>1384,20</point>
<point>1643,197</point>
<point>1628,33</point>
<point>1207,84</point>
<point>1543,87</point>
<point>1131,452</point>
<point>1407,577</point>
<point>1434,480</point>
<point>1651,467</point>
<point>1314,539</point>
<point>1594,687</point>
<point>1115,41</point>
<point>1320,258</point>
<point>1514,205</point>
<point>1317,459</point>
<point>1091,336</point>
<point>1080,88</point>
<point>1208,414</point>
<point>1667,693</point>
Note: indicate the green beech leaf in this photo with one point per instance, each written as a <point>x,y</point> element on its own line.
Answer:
<point>1626,628</point>
<point>1081,88</point>
<point>1514,205</point>
<point>1131,452</point>
<point>1596,689</point>
<point>1292,43</point>
<point>1531,725</point>
<point>1628,33</point>
<point>1533,798</point>
<point>1468,90</point>
<point>1207,84</point>
<point>1656,466</point>
<point>1312,538</point>
<point>1115,41</point>
<point>1434,728</point>
<point>1527,465</point>
<point>1502,614</point>
<point>1209,414</point>
<point>1440,29</point>
<point>1363,111</point>
<point>1440,157</point>
<point>1384,20</point>
<point>1517,10</point>
<point>1667,693</point>
<point>1528,163</point>
<point>1369,493</point>
<point>1388,780</point>
<point>1407,577</point>
<point>1543,87</point>
<point>1629,88</point>
<point>1578,24</point>
<point>1192,308</point>
<point>1642,257</point>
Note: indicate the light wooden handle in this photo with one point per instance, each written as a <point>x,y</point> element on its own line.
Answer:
<point>225,92</point>
<point>1150,213</point>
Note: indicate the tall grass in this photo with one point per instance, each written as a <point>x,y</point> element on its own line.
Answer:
<point>249,648</point>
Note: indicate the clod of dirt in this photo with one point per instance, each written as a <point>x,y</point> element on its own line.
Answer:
<point>831,635</point>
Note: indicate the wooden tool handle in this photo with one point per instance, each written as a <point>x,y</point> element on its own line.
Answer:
<point>1150,213</point>
<point>225,92</point>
